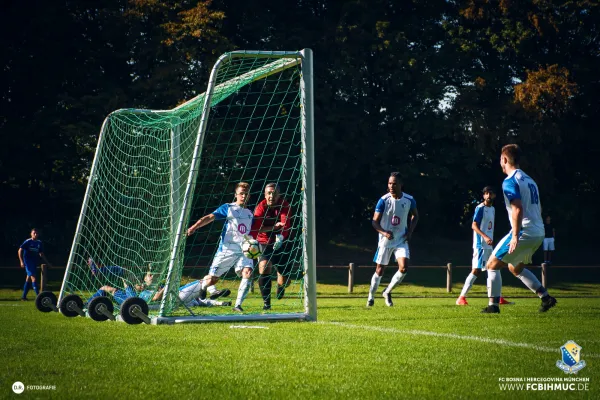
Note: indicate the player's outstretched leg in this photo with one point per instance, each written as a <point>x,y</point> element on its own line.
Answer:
<point>462,299</point>
<point>533,283</point>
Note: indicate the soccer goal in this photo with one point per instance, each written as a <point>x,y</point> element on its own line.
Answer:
<point>156,172</point>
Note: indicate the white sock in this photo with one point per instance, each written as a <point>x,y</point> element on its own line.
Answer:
<point>530,280</point>
<point>468,284</point>
<point>211,289</point>
<point>375,280</point>
<point>242,291</point>
<point>494,284</point>
<point>396,279</point>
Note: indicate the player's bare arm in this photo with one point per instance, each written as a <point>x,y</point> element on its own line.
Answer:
<point>207,219</point>
<point>486,238</point>
<point>414,219</point>
<point>516,218</point>
<point>377,226</point>
<point>21,258</point>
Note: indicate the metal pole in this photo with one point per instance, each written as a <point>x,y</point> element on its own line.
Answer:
<point>545,275</point>
<point>351,278</point>
<point>449,278</point>
<point>306,89</point>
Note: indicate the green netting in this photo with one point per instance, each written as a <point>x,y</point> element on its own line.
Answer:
<point>135,203</point>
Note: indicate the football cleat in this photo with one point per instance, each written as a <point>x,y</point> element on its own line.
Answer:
<point>462,301</point>
<point>280,292</point>
<point>388,299</point>
<point>238,309</point>
<point>370,302</point>
<point>547,303</point>
<point>266,307</point>
<point>226,304</point>
<point>491,309</point>
<point>504,301</point>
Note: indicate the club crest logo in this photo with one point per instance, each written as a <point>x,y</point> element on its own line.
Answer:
<point>242,229</point>
<point>395,220</point>
<point>571,362</point>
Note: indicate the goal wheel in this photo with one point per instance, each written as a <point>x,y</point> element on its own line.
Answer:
<point>135,311</point>
<point>72,306</point>
<point>100,309</point>
<point>46,302</point>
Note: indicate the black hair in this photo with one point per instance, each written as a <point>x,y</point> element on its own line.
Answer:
<point>488,189</point>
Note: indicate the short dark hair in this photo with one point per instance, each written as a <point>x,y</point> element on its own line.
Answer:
<point>513,153</point>
<point>488,189</point>
<point>397,176</point>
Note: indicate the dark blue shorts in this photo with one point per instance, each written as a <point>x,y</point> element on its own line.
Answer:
<point>31,270</point>
<point>122,295</point>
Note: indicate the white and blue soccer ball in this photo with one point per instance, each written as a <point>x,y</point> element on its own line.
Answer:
<point>251,249</point>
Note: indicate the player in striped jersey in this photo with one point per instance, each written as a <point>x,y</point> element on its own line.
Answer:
<point>395,219</point>
<point>522,199</point>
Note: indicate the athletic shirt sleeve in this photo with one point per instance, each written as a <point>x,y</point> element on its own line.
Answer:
<point>221,212</point>
<point>380,207</point>
<point>478,217</point>
<point>413,204</point>
<point>511,189</point>
<point>284,216</point>
<point>257,221</point>
<point>25,244</point>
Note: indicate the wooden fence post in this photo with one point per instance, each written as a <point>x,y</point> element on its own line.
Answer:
<point>545,275</point>
<point>44,277</point>
<point>351,278</point>
<point>449,278</point>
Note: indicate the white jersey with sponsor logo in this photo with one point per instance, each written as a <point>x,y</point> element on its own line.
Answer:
<point>394,218</point>
<point>485,218</point>
<point>518,185</point>
<point>238,221</point>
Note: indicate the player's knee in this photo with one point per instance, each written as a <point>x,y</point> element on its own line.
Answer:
<point>476,271</point>
<point>247,273</point>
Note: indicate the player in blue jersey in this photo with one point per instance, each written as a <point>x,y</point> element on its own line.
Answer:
<point>516,249</point>
<point>30,253</point>
<point>395,219</point>
<point>238,223</point>
<point>483,238</point>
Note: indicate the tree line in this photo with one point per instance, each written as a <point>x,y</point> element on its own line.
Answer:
<point>430,88</point>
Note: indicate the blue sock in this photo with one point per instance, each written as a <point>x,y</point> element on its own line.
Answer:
<point>35,287</point>
<point>25,289</point>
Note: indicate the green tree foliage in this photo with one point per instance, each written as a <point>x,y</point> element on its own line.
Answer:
<point>432,88</point>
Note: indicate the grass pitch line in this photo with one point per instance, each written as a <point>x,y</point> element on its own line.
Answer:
<point>415,332</point>
<point>247,327</point>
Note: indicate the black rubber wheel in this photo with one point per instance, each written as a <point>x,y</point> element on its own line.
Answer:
<point>96,304</point>
<point>127,310</point>
<point>67,302</point>
<point>43,301</point>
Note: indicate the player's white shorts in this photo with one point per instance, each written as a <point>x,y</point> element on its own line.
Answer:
<point>480,258</point>
<point>190,291</point>
<point>548,244</point>
<point>524,251</point>
<point>383,254</point>
<point>227,258</point>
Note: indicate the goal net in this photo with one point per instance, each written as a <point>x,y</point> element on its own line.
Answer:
<point>156,172</point>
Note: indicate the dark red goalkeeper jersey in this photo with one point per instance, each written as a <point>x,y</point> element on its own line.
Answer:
<point>267,217</point>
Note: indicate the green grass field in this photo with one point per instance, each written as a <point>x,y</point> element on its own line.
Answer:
<point>420,348</point>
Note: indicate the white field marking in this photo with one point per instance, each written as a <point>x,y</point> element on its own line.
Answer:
<point>415,332</point>
<point>11,305</point>
<point>248,327</point>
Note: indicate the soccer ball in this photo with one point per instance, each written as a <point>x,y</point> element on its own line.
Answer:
<point>251,249</point>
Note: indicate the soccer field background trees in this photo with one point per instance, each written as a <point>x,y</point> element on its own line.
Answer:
<point>430,88</point>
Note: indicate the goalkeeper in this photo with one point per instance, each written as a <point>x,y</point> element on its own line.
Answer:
<point>270,227</point>
<point>238,221</point>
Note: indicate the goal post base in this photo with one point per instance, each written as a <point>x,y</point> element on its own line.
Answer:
<point>231,318</point>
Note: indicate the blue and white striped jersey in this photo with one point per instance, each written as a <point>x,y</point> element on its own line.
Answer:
<point>485,218</point>
<point>519,185</point>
